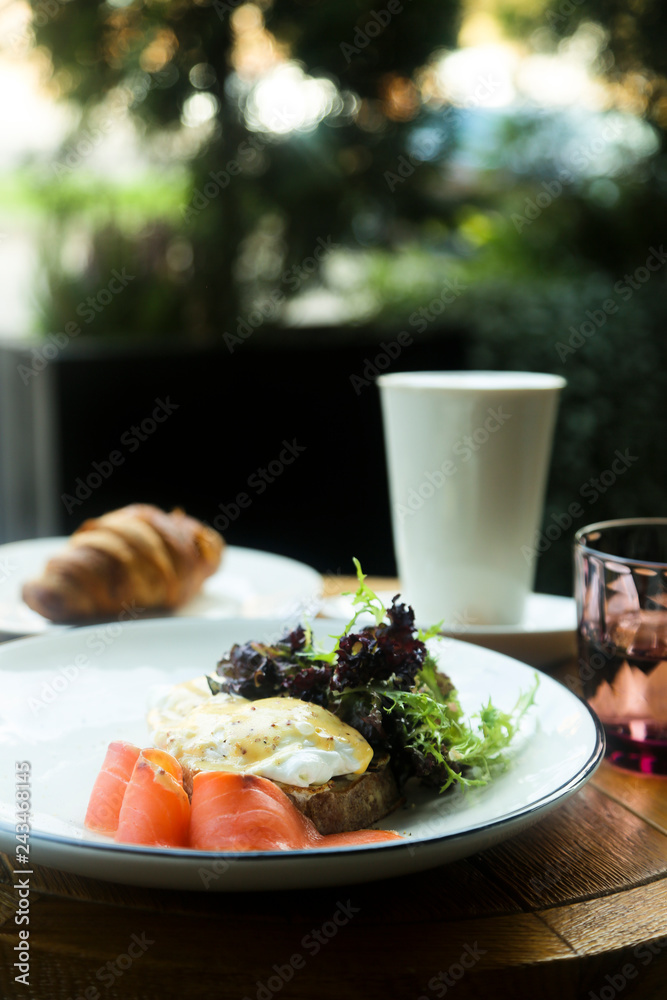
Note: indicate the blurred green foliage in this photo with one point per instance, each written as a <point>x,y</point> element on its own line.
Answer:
<point>292,186</point>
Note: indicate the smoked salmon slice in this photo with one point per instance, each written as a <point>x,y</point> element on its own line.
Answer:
<point>358,837</point>
<point>156,808</point>
<point>243,812</point>
<point>109,789</point>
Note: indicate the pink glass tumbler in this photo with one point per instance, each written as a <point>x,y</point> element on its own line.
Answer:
<point>621,595</point>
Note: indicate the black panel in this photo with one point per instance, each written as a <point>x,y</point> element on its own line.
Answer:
<point>231,415</point>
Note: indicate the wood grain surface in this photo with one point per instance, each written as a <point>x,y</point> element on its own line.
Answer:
<point>574,907</point>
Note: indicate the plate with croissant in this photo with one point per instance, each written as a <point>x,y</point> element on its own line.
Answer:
<point>142,562</point>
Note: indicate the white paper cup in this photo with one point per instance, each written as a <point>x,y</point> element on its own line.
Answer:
<point>467,458</point>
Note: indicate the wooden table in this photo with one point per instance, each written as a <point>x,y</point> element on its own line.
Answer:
<point>574,907</point>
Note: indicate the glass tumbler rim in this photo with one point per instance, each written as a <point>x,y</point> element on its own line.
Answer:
<point>623,522</point>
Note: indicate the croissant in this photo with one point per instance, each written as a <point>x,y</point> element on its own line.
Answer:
<point>135,557</point>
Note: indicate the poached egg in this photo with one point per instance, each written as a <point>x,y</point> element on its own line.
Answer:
<point>285,739</point>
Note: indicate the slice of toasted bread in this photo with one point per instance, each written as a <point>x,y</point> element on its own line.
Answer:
<point>352,802</point>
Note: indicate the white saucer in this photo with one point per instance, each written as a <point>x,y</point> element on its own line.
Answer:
<point>546,634</point>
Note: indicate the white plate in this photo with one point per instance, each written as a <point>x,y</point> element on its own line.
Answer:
<point>547,633</point>
<point>249,584</point>
<point>64,697</point>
